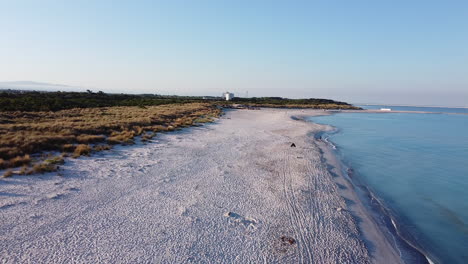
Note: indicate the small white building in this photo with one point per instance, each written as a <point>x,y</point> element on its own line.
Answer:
<point>228,96</point>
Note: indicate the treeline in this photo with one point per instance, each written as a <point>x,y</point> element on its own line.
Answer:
<point>55,101</point>
<point>292,103</point>
<point>287,101</point>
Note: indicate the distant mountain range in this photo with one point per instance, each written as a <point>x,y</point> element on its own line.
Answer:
<point>38,86</point>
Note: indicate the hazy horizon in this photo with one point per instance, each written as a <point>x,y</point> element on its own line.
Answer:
<point>359,52</point>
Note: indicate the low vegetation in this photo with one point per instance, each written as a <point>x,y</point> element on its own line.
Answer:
<point>43,167</point>
<point>15,162</point>
<point>48,164</point>
<point>8,173</point>
<point>147,136</point>
<point>81,131</point>
<point>291,103</point>
<point>55,101</point>
<point>78,124</point>
<point>98,148</point>
<point>82,150</point>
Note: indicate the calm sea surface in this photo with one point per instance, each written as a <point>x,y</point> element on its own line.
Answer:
<point>418,108</point>
<point>418,165</point>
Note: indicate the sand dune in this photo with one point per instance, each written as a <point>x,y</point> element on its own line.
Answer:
<point>229,192</point>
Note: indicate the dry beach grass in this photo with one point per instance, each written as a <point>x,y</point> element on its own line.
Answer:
<point>73,130</point>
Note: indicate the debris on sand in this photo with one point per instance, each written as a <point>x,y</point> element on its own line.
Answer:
<point>293,145</point>
<point>287,240</point>
<point>339,209</point>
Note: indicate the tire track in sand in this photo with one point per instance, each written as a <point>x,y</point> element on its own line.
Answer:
<point>297,217</point>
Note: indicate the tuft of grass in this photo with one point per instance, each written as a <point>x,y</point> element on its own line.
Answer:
<point>15,162</point>
<point>48,165</point>
<point>138,130</point>
<point>24,170</point>
<point>102,147</point>
<point>68,148</point>
<point>203,119</point>
<point>147,136</point>
<point>8,173</point>
<point>86,139</point>
<point>55,160</point>
<point>124,137</point>
<point>43,167</point>
<point>81,150</point>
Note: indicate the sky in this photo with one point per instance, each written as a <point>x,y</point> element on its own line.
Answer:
<point>401,52</point>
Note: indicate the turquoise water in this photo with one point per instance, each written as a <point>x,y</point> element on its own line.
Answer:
<point>418,165</point>
<point>417,108</point>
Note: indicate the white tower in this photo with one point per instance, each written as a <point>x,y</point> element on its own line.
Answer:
<point>228,96</point>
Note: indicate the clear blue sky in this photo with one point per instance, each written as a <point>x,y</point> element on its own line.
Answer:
<point>357,51</point>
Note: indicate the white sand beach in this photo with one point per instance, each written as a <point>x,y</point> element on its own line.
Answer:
<point>230,192</point>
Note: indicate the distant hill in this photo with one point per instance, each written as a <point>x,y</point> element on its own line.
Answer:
<point>38,86</point>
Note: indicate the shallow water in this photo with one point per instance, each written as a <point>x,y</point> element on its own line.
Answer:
<point>418,165</point>
<point>418,108</point>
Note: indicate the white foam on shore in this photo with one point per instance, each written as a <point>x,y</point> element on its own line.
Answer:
<point>326,140</point>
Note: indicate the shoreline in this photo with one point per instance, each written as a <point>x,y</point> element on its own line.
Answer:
<point>379,215</point>
<point>232,191</point>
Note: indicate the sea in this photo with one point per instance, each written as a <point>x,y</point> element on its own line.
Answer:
<point>416,166</point>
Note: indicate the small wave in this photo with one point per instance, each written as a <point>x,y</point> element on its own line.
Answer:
<point>333,146</point>
<point>407,245</point>
<point>323,136</point>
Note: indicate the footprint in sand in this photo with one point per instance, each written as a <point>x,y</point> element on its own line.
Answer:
<point>247,222</point>
<point>168,179</point>
<point>5,206</point>
<point>55,196</point>
<point>183,211</point>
